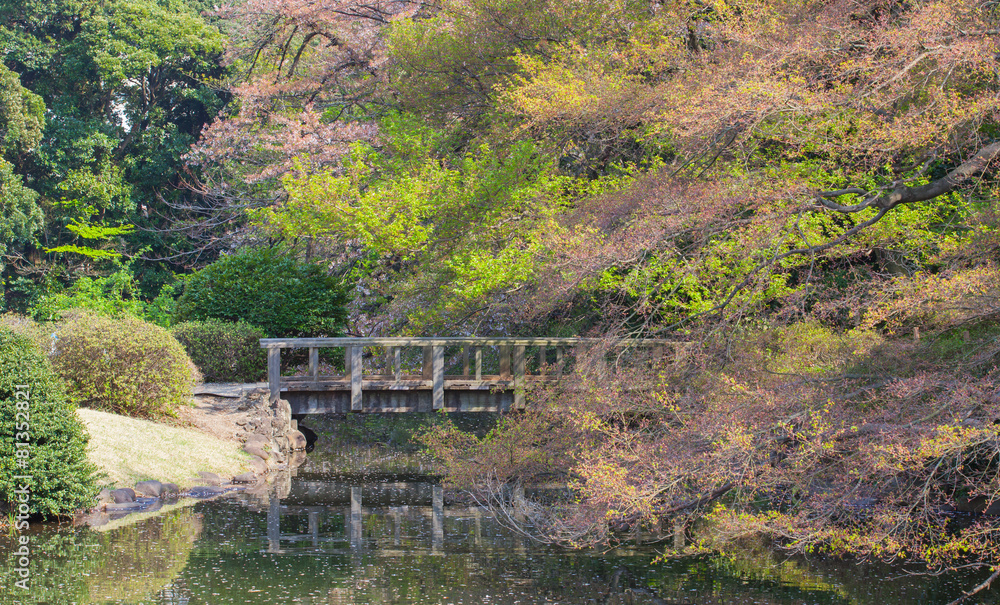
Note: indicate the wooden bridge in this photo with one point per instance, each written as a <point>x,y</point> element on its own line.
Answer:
<point>470,374</point>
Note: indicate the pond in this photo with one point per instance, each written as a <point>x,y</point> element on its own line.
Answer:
<point>323,538</point>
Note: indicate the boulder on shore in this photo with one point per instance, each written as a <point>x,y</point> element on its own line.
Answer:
<point>247,477</point>
<point>104,497</point>
<point>211,478</point>
<point>149,488</point>
<point>257,439</point>
<point>256,450</point>
<point>296,440</point>
<point>258,465</point>
<point>123,495</point>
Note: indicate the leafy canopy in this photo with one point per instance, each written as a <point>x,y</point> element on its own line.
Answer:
<point>459,227</point>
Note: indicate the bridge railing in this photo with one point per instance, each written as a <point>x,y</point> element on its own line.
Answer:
<point>437,364</point>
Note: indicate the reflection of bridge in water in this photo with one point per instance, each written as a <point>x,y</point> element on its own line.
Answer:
<point>473,374</point>
<point>335,516</point>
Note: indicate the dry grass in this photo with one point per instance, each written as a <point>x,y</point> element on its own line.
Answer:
<point>129,450</point>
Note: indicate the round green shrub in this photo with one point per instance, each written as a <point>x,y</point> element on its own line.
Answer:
<point>122,365</point>
<point>283,296</point>
<point>224,351</point>
<point>29,328</point>
<point>62,479</point>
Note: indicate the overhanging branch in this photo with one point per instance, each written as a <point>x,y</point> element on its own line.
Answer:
<point>920,193</point>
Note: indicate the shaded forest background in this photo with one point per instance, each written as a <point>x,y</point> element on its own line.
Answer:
<point>801,191</point>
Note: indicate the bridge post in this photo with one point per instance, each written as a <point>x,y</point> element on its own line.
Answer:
<point>356,367</point>
<point>437,401</point>
<point>314,363</point>
<point>504,362</point>
<point>601,362</point>
<point>479,363</point>
<point>520,369</point>
<point>274,372</point>
<point>427,371</point>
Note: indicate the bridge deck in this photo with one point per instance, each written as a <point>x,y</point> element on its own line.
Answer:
<point>486,374</point>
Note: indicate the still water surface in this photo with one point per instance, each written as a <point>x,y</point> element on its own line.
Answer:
<point>330,540</point>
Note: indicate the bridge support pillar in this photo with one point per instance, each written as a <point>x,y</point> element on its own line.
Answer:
<point>520,369</point>
<point>274,373</point>
<point>356,367</point>
<point>437,397</point>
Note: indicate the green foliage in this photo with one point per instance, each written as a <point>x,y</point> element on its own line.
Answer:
<point>269,289</point>
<point>34,410</point>
<point>462,227</point>
<point>20,215</point>
<point>452,63</point>
<point>224,351</point>
<point>127,86</point>
<point>95,233</point>
<point>114,295</point>
<point>22,116</point>
<point>122,365</point>
<point>161,309</point>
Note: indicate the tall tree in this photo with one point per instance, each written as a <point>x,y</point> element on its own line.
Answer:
<point>22,117</point>
<point>797,135</point>
<point>128,86</point>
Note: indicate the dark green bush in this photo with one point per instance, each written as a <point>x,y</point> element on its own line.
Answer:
<point>224,351</point>
<point>122,365</point>
<point>263,287</point>
<point>62,479</point>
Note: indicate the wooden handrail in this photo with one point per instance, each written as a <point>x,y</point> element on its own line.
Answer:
<point>365,341</point>
<point>433,363</point>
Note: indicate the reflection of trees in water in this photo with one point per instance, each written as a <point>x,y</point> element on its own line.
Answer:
<point>479,561</point>
<point>219,556</point>
<point>127,564</point>
<point>140,559</point>
<point>174,593</point>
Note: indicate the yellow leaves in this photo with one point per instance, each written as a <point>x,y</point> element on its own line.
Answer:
<point>588,421</point>
<point>385,219</point>
<point>950,440</point>
<point>941,299</point>
<point>585,88</point>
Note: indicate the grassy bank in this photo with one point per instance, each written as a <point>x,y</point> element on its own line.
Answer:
<point>129,450</point>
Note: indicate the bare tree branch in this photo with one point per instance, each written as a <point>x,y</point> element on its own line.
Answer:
<point>921,193</point>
